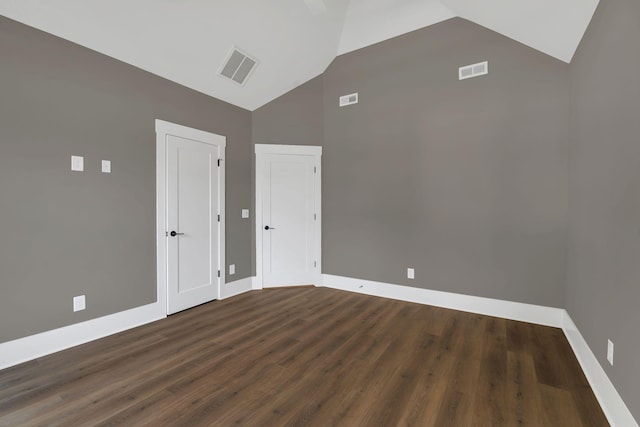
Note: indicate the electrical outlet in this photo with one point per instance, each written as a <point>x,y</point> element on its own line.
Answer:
<point>232,269</point>
<point>79,303</point>
<point>411,274</point>
<point>610,352</point>
<point>245,213</point>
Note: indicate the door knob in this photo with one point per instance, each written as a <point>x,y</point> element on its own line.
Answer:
<point>266,227</point>
<point>174,234</point>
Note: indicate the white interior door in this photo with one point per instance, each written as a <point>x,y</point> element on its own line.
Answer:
<point>194,228</point>
<point>289,218</point>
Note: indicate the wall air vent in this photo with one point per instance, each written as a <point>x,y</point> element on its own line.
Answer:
<point>238,66</point>
<point>474,70</point>
<point>350,99</point>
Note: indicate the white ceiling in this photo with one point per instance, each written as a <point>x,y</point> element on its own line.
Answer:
<point>372,21</point>
<point>554,27</point>
<point>294,40</point>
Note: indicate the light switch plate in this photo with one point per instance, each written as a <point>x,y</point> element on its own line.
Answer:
<point>411,274</point>
<point>77,163</point>
<point>106,166</point>
<point>232,269</point>
<point>79,303</point>
<point>245,213</point>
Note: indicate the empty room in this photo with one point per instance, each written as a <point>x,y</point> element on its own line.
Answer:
<point>320,212</point>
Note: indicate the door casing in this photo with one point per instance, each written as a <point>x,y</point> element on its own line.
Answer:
<point>164,128</point>
<point>307,150</point>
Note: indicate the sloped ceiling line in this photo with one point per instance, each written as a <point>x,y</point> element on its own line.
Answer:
<point>186,41</point>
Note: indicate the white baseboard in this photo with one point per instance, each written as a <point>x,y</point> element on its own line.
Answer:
<point>538,314</point>
<point>236,288</point>
<point>610,400</point>
<point>34,346</point>
<point>612,404</point>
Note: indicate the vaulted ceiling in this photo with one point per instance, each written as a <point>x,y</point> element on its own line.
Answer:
<point>294,40</point>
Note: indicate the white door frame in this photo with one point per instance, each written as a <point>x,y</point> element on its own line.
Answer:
<point>308,150</point>
<point>163,129</point>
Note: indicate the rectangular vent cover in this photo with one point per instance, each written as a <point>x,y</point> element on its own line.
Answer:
<point>350,99</point>
<point>238,66</point>
<point>474,70</point>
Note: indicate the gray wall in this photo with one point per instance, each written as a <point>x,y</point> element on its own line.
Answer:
<point>603,290</point>
<point>464,181</point>
<point>66,233</point>
<point>295,118</point>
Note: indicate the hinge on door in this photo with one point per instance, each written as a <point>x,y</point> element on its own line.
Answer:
<point>219,162</point>
<point>315,264</point>
<point>315,217</point>
<point>218,217</point>
<point>314,170</point>
<point>218,273</point>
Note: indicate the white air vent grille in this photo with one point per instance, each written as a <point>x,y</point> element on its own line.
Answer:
<point>350,99</point>
<point>238,66</point>
<point>474,70</point>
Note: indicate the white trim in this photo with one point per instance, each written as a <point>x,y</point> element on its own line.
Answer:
<point>28,348</point>
<point>257,282</point>
<point>34,346</point>
<point>236,287</point>
<point>307,150</point>
<point>161,214</point>
<point>613,406</point>
<point>168,128</point>
<point>548,316</point>
<point>222,227</point>
<point>318,209</point>
<point>164,128</point>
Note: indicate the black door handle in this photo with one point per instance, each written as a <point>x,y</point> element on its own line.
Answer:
<point>174,234</point>
<point>266,227</point>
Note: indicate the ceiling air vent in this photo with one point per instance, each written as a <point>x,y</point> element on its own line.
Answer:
<point>474,70</point>
<point>350,99</point>
<point>238,66</point>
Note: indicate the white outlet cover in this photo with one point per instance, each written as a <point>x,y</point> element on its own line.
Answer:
<point>610,352</point>
<point>232,269</point>
<point>79,303</point>
<point>77,163</point>
<point>106,166</point>
<point>245,213</point>
<point>411,274</point>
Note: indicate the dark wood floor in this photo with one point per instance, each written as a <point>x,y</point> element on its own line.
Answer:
<point>309,356</point>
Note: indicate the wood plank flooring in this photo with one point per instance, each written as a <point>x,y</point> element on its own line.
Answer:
<point>308,356</point>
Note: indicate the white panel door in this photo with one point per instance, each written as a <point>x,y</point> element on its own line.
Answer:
<point>193,223</point>
<point>289,255</point>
